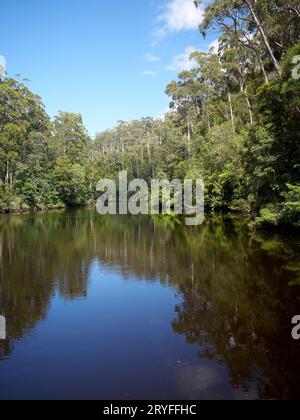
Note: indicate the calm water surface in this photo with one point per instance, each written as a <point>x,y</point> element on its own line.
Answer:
<point>131,308</point>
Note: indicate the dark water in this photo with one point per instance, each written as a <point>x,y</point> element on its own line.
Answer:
<point>129,308</point>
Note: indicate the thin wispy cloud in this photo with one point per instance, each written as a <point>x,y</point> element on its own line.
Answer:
<point>149,73</point>
<point>150,58</point>
<point>182,61</point>
<point>178,15</point>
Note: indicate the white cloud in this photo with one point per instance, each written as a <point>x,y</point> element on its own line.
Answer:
<point>179,15</point>
<point>151,58</point>
<point>2,65</point>
<point>162,115</point>
<point>149,73</point>
<point>182,61</point>
<point>2,61</point>
<point>214,46</point>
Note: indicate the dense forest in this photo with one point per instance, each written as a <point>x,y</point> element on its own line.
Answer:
<point>233,120</point>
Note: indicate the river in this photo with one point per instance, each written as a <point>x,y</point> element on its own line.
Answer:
<point>132,308</point>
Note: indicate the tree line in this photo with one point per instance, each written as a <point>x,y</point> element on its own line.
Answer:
<point>233,120</point>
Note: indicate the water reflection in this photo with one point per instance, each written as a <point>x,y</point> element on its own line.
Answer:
<point>238,293</point>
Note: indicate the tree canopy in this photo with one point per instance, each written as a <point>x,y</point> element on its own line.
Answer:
<point>233,120</point>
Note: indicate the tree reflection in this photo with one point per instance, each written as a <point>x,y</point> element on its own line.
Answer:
<point>237,291</point>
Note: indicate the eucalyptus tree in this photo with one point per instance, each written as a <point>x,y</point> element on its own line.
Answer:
<point>188,100</point>
<point>243,18</point>
<point>21,113</point>
<point>72,135</point>
<point>239,65</point>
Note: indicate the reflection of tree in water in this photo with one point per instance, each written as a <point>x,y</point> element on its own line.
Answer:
<point>239,311</point>
<point>236,302</point>
<point>39,254</point>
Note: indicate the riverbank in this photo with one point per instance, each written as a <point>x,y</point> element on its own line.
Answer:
<point>253,223</point>
<point>26,210</point>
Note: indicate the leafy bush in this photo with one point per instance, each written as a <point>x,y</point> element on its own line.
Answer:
<point>290,212</point>
<point>268,217</point>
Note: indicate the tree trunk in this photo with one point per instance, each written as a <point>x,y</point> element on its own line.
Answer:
<point>249,107</point>
<point>11,179</point>
<point>7,172</point>
<point>149,149</point>
<point>245,90</point>
<point>264,36</point>
<point>294,9</point>
<point>251,47</point>
<point>189,141</point>
<point>231,112</point>
<point>263,68</point>
<point>149,154</point>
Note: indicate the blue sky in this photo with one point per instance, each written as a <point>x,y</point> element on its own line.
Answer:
<point>108,60</point>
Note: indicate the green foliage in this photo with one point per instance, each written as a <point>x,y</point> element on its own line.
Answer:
<point>71,182</point>
<point>7,197</point>
<point>233,120</point>
<point>290,208</point>
<point>268,217</point>
<point>240,206</point>
<point>42,164</point>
